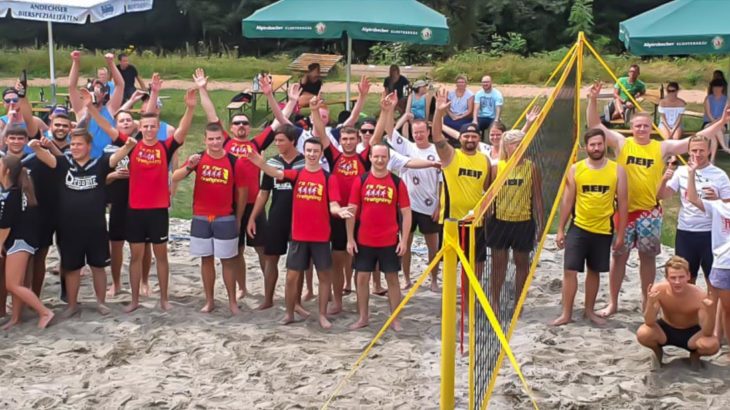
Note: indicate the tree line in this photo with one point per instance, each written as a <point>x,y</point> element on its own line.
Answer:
<point>214,26</point>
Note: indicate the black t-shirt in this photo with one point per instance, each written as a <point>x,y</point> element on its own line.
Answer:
<point>281,191</point>
<point>117,193</point>
<point>46,183</point>
<point>27,225</point>
<point>83,196</point>
<point>130,76</point>
<point>397,87</point>
<point>11,206</point>
<point>311,87</point>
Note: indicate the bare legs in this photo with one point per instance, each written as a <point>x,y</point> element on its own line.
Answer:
<point>207,270</point>
<point>73,284</point>
<point>136,270</point>
<point>432,245</point>
<point>15,271</point>
<point>363,299</point>
<point>570,288</point>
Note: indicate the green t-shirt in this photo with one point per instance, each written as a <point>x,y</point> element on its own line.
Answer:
<point>637,87</point>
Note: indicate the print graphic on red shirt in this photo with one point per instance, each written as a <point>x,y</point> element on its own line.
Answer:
<point>216,180</point>
<point>313,191</point>
<point>148,183</point>
<point>241,149</point>
<point>347,168</point>
<point>378,208</point>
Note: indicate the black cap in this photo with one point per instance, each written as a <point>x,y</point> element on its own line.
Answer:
<point>9,91</point>
<point>470,128</point>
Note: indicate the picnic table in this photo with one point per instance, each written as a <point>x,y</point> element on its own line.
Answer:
<point>278,83</point>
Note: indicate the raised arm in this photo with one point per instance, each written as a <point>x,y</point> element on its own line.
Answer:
<point>260,162</point>
<point>280,117</point>
<point>115,100</point>
<point>155,87</point>
<point>191,99</point>
<point>566,206</point>
<point>27,112</point>
<point>73,85</point>
<point>385,120</point>
<point>692,196</point>
<point>319,129</point>
<point>122,152</point>
<point>530,118</point>
<point>444,150</point>
<point>182,172</point>
<point>363,88</point>
<point>613,138</point>
<point>664,191</point>
<point>130,103</point>
<point>652,305</point>
<point>87,103</point>
<point>201,81</point>
<point>42,153</point>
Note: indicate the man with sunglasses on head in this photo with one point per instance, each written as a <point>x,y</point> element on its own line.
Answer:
<point>105,103</point>
<point>240,144</point>
<point>11,100</point>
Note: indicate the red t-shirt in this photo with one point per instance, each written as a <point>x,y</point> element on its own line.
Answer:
<point>313,191</point>
<point>216,180</point>
<point>241,149</point>
<point>347,168</point>
<point>149,187</point>
<point>378,206</point>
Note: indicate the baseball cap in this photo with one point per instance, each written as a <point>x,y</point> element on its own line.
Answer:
<point>9,91</point>
<point>59,109</point>
<point>470,128</point>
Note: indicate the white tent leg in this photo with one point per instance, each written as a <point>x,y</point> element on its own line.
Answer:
<point>53,63</point>
<point>349,67</point>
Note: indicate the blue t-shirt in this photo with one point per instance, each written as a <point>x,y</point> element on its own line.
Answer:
<point>418,107</point>
<point>488,103</point>
<point>162,132</point>
<point>716,106</point>
<point>100,138</point>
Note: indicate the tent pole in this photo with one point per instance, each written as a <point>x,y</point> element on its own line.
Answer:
<point>349,67</point>
<point>53,64</point>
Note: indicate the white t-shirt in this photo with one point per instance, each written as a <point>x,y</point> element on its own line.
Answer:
<point>719,212</point>
<point>422,184</point>
<point>307,134</point>
<point>690,217</point>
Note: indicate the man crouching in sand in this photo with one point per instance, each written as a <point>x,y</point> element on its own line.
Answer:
<point>687,315</point>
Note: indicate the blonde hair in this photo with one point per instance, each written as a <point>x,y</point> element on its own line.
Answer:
<point>676,262</point>
<point>640,114</point>
<point>509,137</point>
<point>700,138</point>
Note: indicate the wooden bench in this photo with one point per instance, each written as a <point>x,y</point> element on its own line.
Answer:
<point>326,62</point>
<point>278,83</point>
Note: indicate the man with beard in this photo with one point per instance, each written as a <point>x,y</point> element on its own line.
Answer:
<point>239,143</point>
<point>592,186</point>
<point>107,104</point>
<point>466,174</point>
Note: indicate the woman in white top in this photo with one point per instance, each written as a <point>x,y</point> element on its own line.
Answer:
<point>462,105</point>
<point>671,108</point>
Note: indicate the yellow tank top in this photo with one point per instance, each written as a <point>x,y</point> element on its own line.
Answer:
<point>464,180</point>
<point>514,200</point>
<point>595,190</point>
<point>644,167</point>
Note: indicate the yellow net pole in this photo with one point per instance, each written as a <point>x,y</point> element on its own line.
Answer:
<point>472,305</point>
<point>448,315</point>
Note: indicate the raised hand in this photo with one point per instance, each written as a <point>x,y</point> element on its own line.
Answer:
<point>46,143</point>
<point>137,95</point>
<point>75,56</point>
<point>86,98</point>
<point>595,89</point>
<point>295,91</point>
<point>316,102</point>
<point>109,57</point>
<point>256,158</point>
<point>386,103</point>
<point>653,294</point>
<point>191,98</point>
<point>265,84</point>
<point>442,100</point>
<point>193,160</point>
<point>131,142</point>
<point>156,84</point>
<point>364,86</point>
<point>200,79</point>
<point>534,114</point>
<point>34,144</point>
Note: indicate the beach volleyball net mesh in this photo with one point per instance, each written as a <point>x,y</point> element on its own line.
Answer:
<point>518,211</point>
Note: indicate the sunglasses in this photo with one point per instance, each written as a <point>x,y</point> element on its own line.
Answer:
<point>671,90</point>
<point>240,123</point>
<point>11,100</point>
<point>367,131</point>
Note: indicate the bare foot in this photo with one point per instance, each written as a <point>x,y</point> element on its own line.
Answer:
<point>359,324</point>
<point>395,325</point>
<point>597,320</point>
<point>165,305</point>
<point>562,320</point>
<point>287,319</point>
<point>131,307</point>
<point>659,354</point>
<point>380,291</point>
<point>304,313</point>
<point>694,361</point>
<point>209,307</point>
<point>144,290</point>
<point>408,285</point>
<point>103,309</point>
<point>113,291</point>
<point>324,323</point>
<point>435,287</point>
<point>334,309</point>
<point>607,311</point>
<point>10,324</point>
<point>241,293</point>
<point>70,312</point>
<point>265,305</point>
<point>308,296</point>
<point>45,319</point>
<point>233,307</point>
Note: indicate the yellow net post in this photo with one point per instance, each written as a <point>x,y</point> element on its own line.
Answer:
<point>448,315</point>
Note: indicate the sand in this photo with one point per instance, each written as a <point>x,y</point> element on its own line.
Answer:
<point>186,359</point>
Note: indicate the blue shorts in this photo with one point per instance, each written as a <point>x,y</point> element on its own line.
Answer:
<point>720,278</point>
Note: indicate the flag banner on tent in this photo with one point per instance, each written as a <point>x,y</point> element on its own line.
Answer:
<point>330,30</point>
<point>76,12</point>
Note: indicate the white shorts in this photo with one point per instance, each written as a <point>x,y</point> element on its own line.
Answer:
<point>217,237</point>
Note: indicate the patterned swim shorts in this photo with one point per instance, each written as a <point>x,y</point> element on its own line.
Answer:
<point>644,232</point>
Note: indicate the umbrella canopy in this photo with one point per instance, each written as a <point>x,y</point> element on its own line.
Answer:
<point>679,27</point>
<point>376,20</point>
<point>68,11</point>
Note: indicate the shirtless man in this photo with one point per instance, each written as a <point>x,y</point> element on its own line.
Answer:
<point>687,315</point>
